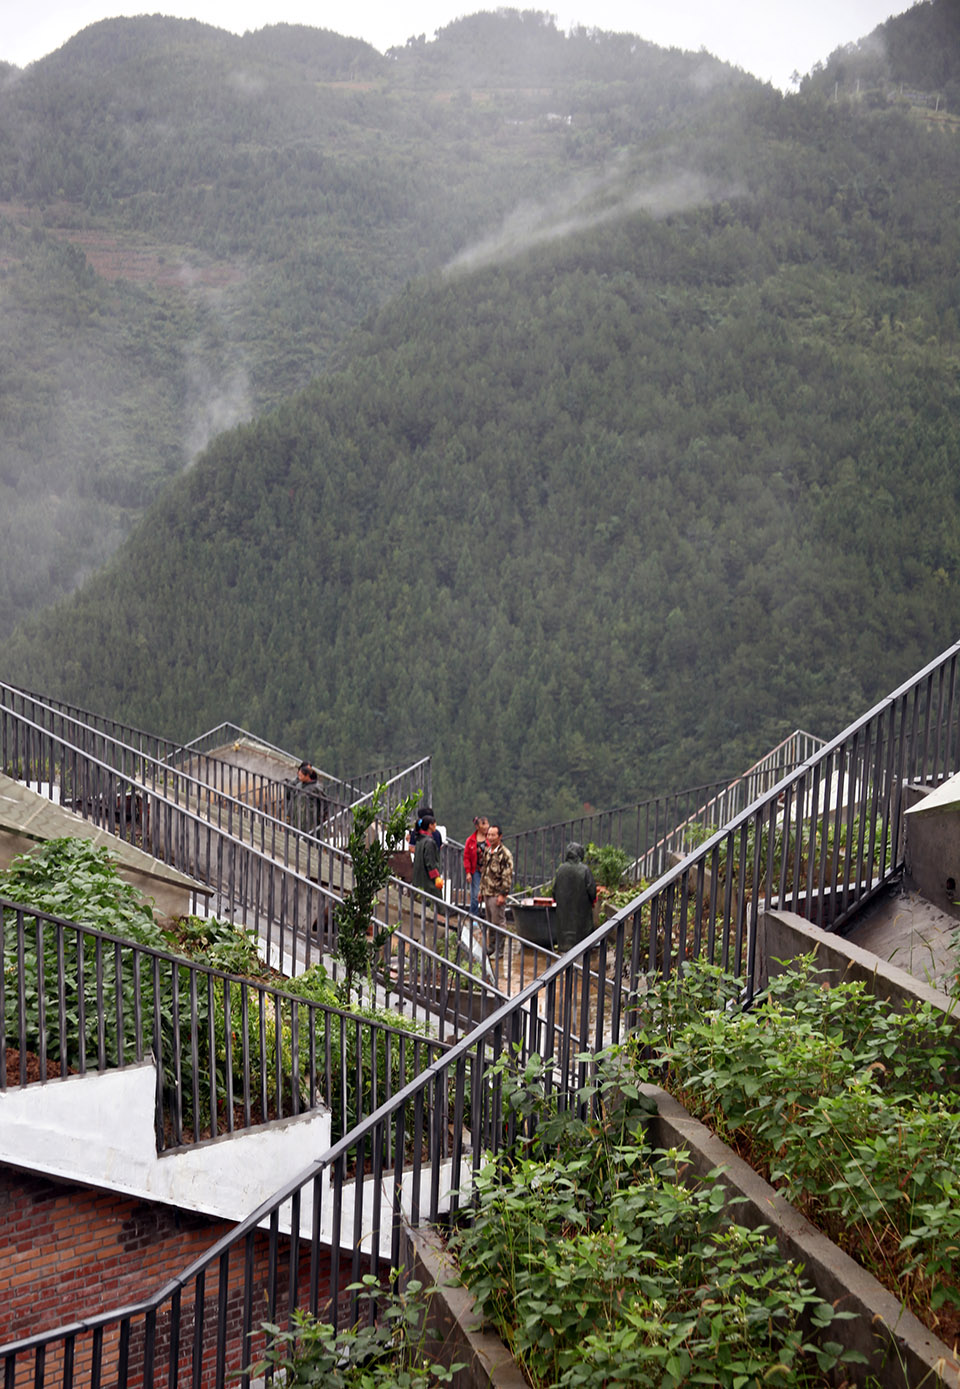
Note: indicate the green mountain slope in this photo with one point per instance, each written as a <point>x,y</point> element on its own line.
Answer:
<point>235,206</point>
<point>913,58</point>
<point>604,517</point>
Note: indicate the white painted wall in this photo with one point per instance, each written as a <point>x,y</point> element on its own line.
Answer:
<point>98,1130</point>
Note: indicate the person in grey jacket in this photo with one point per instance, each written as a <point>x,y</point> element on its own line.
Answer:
<point>575,891</point>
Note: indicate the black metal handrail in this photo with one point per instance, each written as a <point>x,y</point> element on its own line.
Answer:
<point>231,1052</point>
<point>649,831</point>
<point>291,913</point>
<point>504,959</point>
<point>256,789</point>
<point>821,841</point>
<point>634,828</point>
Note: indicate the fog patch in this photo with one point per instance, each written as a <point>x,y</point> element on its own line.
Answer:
<point>246,83</point>
<point>591,202</point>
<point>710,75</point>
<point>215,401</point>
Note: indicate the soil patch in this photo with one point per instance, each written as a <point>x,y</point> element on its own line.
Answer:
<point>33,1069</point>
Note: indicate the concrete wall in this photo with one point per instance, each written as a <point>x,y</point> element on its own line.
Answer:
<point>454,1316</point>
<point>99,1130</point>
<point>931,846</point>
<point>783,936</point>
<point>901,1353</point>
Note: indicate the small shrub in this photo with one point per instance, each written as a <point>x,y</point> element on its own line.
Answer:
<point>220,944</point>
<point>390,1353</point>
<point>371,846</point>
<point>608,864</point>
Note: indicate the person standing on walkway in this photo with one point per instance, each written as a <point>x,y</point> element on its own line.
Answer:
<point>304,804</point>
<point>496,880</point>
<point>473,852</point>
<point>574,891</point>
<point>426,859</point>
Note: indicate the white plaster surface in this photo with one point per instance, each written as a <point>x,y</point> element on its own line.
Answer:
<point>945,796</point>
<point>99,1130</point>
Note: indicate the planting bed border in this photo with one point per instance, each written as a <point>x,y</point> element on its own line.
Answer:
<point>900,1351</point>
<point>783,936</point>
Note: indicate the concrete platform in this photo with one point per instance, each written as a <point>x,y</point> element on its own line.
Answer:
<point>908,931</point>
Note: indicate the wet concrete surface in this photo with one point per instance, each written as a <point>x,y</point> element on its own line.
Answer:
<point>907,930</point>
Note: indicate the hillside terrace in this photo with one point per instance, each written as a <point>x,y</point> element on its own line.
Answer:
<point>828,842</point>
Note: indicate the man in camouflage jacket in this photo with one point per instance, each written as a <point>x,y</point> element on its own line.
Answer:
<point>496,880</point>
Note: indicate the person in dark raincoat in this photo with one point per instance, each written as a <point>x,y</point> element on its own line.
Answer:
<point>426,858</point>
<point>574,891</point>
<point>304,803</point>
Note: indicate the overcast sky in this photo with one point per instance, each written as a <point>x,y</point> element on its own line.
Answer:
<point>769,38</point>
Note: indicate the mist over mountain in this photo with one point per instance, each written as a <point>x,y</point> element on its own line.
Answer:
<point>659,467</point>
<point>190,222</point>
<point>633,427</point>
<point>915,55</point>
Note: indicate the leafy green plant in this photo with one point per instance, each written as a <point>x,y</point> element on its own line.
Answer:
<point>370,844</point>
<point>220,944</point>
<point>75,879</point>
<point>600,1261</point>
<point>608,863</point>
<point>212,1045</point>
<point>849,1107</point>
<point>390,1352</point>
<point>100,985</point>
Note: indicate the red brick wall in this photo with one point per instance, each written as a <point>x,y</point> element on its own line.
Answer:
<point>68,1251</point>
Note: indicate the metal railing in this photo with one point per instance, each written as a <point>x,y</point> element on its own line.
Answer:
<point>649,831</point>
<point>348,790</point>
<point>636,829</point>
<point>291,913</point>
<point>504,959</point>
<point>396,788</point>
<point>797,747</point>
<point>230,1052</point>
<point>256,789</point>
<point>820,841</point>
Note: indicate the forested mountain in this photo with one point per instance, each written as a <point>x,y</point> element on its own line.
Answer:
<point>913,56</point>
<point>609,508</point>
<point>191,221</point>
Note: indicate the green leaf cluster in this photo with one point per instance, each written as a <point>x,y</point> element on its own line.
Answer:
<point>603,1262</point>
<point>849,1106</point>
<point>77,880</point>
<point>376,833</point>
<point>391,1352</point>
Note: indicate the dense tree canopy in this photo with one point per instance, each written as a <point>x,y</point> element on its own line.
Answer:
<point>663,468</point>
<point>190,222</point>
<point>603,517</point>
